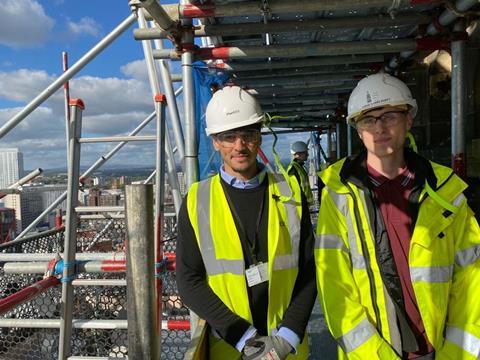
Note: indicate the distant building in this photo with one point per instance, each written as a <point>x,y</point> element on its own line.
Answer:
<point>181,183</point>
<point>109,200</point>
<point>92,198</point>
<point>32,201</point>
<point>11,166</point>
<point>117,183</point>
<point>7,225</point>
<point>97,197</point>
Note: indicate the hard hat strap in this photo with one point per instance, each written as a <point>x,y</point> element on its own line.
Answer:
<point>411,142</point>
<point>268,121</point>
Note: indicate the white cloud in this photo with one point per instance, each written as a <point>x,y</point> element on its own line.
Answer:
<point>86,26</point>
<point>23,84</point>
<point>40,124</point>
<point>111,95</point>
<point>136,69</point>
<point>41,138</point>
<point>112,106</point>
<point>23,23</point>
<point>114,124</point>
<point>100,95</point>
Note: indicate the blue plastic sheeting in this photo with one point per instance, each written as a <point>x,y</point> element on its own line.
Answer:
<point>204,78</point>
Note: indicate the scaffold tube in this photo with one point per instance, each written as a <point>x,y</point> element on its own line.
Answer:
<point>21,296</point>
<point>86,324</point>
<point>252,8</point>
<point>175,325</point>
<point>446,18</point>
<point>6,257</point>
<point>25,179</point>
<point>67,75</point>
<point>143,339</point>
<point>105,266</point>
<point>295,50</point>
<point>100,161</point>
<point>210,30</point>
<point>99,282</point>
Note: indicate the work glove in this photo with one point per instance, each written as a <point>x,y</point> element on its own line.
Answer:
<point>266,348</point>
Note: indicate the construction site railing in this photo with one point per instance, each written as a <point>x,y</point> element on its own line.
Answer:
<point>31,329</point>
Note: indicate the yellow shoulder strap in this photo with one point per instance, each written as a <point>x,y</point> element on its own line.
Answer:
<point>439,199</point>
<point>430,191</point>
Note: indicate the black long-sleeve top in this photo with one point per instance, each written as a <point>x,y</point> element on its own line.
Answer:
<point>191,275</point>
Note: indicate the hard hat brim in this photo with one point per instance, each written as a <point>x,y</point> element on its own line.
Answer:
<point>411,107</point>
<point>219,129</point>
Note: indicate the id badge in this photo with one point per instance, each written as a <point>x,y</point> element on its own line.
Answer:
<point>257,274</point>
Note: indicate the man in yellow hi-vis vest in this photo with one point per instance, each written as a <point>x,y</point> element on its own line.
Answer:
<point>397,248</point>
<point>299,151</point>
<point>245,245</point>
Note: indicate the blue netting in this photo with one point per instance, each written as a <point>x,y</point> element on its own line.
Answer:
<point>204,78</point>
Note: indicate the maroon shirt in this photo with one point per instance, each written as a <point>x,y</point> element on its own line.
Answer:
<point>392,199</point>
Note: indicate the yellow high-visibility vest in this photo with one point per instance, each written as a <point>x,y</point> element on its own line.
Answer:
<point>444,263</point>
<point>222,254</point>
<point>304,181</point>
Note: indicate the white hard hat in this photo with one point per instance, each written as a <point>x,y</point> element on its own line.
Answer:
<point>231,108</point>
<point>298,146</point>
<point>379,90</point>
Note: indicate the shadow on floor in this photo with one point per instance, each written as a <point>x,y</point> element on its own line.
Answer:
<point>323,346</point>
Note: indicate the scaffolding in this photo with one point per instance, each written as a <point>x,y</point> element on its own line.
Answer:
<point>64,292</point>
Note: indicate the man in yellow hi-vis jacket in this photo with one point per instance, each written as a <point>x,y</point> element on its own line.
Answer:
<point>397,248</point>
<point>245,244</point>
<point>299,151</point>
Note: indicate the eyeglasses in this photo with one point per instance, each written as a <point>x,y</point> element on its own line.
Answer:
<point>228,138</point>
<point>388,119</point>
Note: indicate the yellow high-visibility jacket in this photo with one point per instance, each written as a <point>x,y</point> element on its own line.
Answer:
<point>444,262</point>
<point>222,254</point>
<point>304,182</point>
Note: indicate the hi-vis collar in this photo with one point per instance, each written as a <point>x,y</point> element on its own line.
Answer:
<point>441,201</point>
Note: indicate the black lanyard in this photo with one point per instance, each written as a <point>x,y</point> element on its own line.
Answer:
<point>252,247</point>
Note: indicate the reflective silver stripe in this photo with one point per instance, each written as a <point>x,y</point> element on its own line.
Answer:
<point>468,342</point>
<point>284,188</point>
<point>459,199</point>
<point>467,256</point>
<point>358,261</point>
<point>391,312</point>
<point>433,274</point>
<point>364,204</point>
<point>356,337</point>
<point>282,262</point>
<point>213,266</point>
<point>329,241</point>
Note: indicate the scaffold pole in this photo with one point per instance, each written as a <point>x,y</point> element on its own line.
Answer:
<point>71,223</point>
<point>143,337</point>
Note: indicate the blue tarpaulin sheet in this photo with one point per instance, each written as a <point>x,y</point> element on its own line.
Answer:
<point>204,78</point>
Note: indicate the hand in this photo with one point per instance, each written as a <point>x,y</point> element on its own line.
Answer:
<point>266,348</point>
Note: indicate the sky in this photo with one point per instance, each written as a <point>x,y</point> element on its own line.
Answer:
<point>114,86</point>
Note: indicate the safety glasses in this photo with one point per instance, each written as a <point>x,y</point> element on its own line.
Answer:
<point>388,119</point>
<point>229,138</point>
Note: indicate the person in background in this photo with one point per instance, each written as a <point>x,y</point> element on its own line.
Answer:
<point>299,151</point>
